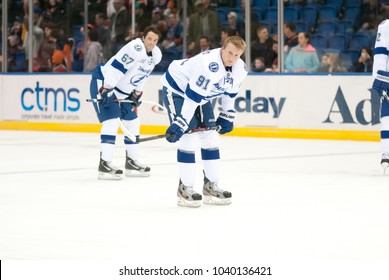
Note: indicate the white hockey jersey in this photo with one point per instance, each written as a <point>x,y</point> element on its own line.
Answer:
<point>129,68</point>
<point>204,77</point>
<point>381,48</point>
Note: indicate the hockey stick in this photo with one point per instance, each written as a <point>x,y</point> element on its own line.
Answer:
<point>200,129</point>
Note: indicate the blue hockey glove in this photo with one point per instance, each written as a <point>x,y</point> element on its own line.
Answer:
<point>381,83</point>
<point>226,121</point>
<point>107,97</point>
<point>135,98</point>
<point>176,130</point>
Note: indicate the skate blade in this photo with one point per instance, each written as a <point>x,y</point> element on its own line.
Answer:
<point>107,176</point>
<point>185,203</point>
<point>211,200</point>
<point>384,166</point>
<point>134,173</point>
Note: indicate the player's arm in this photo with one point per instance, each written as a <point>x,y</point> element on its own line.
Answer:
<point>381,52</point>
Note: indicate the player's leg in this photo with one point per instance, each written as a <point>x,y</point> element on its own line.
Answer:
<point>107,116</point>
<point>133,168</point>
<point>385,133</point>
<point>186,158</point>
<point>210,156</point>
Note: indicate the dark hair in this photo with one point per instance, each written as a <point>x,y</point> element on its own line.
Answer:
<point>291,26</point>
<point>230,31</point>
<point>93,35</point>
<point>153,29</point>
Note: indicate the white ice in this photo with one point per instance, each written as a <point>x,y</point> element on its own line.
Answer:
<point>293,199</point>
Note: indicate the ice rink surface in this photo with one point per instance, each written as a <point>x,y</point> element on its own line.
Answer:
<point>293,200</point>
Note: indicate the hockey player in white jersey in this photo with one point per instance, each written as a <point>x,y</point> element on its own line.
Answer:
<point>123,77</point>
<point>381,85</point>
<point>188,87</point>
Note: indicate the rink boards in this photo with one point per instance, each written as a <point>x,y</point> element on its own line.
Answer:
<point>268,105</point>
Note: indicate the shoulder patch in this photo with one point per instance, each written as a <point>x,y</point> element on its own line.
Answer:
<point>213,67</point>
<point>138,47</point>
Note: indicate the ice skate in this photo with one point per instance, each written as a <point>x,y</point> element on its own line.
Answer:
<point>187,197</point>
<point>134,168</point>
<point>108,172</point>
<point>385,162</point>
<point>214,195</point>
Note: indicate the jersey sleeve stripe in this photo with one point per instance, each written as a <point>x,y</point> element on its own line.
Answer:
<point>171,82</point>
<point>193,95</point>
<point>232,95</point>
<point>381,50</point>
<point>120,91</point>
<point>117,65</point>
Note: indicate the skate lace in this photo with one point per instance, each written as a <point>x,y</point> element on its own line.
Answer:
<point>139,164</point>
<point>190,191</point>
<point>213,186</point>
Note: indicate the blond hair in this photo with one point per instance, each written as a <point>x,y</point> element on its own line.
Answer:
<point>236,41</point>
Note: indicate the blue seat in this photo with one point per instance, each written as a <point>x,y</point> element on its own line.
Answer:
<point>263,4</point>
<point>271,14</point>
<point>360,40</point>
<point>291,13</point>
<point>327,13</point>
<point>337,41</point>
<point>309,15</point>
<point>326,27</point>
<point>273,3</point>
<point>336,3</point>
<point>344,26</point>
<point>348,3</point>
<point>349,57</point>
<point>222,13</point>
<point>319,41</point>
<point>351,13</point>
<point>301,26</point>
<point>258,13</point>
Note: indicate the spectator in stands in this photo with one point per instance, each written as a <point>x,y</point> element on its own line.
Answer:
<point>94,54</point>
<point>324,63</point>
<point>254,20</point>
<point>262,46</point>
<point>259,64</point>
<point>291,36</point>
<point>158,21</point>
<point>233,23</point>
<point>103,34</point>
<point>174,33</point>
<point>119,24</point>
<point>16,55</point>
<point>204,43</point>
<point>367,19</point>
<point>42,63</point>
<point>37,32</point>
<point>204,23</point>
<point>225,33</point>
<point>334,63</point>
<point>303,57</point>
<point>365,61</point>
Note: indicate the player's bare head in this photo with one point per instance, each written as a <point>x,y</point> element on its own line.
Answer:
<point>150,37</point>
<point>232,50</point>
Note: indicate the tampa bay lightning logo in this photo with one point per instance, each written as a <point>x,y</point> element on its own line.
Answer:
<point>137,79</point>
<point>138,47</point>
<point>213,67</point>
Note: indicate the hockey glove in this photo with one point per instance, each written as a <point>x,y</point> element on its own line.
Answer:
<point>381,83</point>
<point>176,130</point>
<point>135,98</point>
<point>226,121</point>
<point>107,96</point>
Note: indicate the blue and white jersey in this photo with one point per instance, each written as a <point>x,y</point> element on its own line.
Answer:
<point>204,77</point>
<point>129,68</point>
<point>381,48</point>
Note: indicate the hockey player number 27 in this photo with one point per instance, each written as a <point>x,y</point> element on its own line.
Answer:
<point>202,82</point>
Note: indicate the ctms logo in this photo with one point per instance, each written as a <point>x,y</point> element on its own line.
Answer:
<point>47,99</point>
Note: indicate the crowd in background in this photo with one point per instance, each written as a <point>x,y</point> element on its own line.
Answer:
<point>58,35</point>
